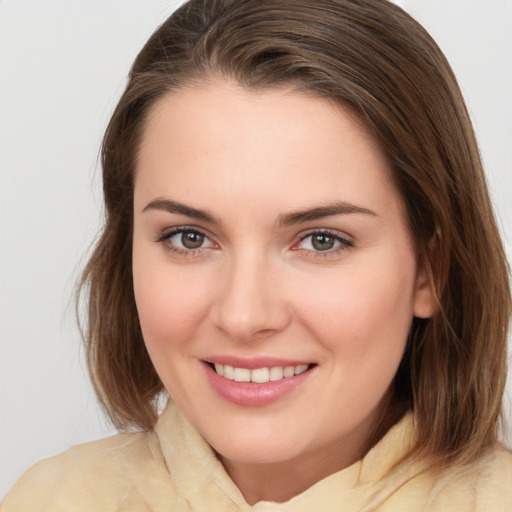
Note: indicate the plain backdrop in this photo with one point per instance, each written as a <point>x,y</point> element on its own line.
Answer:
<point>62,68</point>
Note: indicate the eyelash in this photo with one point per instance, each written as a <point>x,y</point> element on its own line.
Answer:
<point>165,237</point>
<point>344,243</point>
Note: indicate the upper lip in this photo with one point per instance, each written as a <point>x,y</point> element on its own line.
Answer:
<point>254,362</point>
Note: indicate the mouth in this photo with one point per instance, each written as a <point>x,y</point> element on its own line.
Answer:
<point>258,375</point>
<point>256,382</point>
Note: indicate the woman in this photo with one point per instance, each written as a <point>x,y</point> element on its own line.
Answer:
<point>300,250</point>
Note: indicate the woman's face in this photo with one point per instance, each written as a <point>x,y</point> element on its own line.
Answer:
<point>270,245</point>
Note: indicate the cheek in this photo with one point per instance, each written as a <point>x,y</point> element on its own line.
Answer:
<point>171,304</point>
<point>364,311</point>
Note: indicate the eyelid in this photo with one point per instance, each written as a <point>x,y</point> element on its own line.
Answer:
<point>170,231</point>
<point>326,231</point>
<point>164,235</point>
<point>345,241</point>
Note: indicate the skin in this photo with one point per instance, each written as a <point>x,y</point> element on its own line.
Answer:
<point>257,286</point>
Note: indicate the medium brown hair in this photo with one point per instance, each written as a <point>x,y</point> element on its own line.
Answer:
<point>373,57</point>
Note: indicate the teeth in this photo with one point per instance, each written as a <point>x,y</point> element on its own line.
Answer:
<point>301,369</point>
<point>242,375</point>
<point>229,372</point>
<point>276,373</point>
<point>289,371</point>
<point>259,375</point>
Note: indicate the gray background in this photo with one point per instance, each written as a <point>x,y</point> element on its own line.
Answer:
<point>62,67</point>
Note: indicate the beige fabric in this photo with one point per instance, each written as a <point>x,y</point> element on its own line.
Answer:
<point>174,469</point>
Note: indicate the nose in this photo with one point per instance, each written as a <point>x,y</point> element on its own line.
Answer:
<point>251,301</point>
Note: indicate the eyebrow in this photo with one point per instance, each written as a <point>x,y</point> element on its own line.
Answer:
<point>170,206</point>
<point>287,219</point>
<point>320,212</point>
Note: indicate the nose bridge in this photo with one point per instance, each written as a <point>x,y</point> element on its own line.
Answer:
<point>249,302</point>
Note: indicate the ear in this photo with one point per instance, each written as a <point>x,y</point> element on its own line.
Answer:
<point>425,296</point>
<point>424,293</point>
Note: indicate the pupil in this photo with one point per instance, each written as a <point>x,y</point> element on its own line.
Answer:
<point>192,240</point>
<point>323,242</point>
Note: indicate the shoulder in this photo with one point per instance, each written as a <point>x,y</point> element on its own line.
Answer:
<point>494,484</point>
<point>125,471</point>
<point>482,487</point>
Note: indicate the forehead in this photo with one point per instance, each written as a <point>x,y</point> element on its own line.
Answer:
<point>212,106</point>
<point>217,138</point>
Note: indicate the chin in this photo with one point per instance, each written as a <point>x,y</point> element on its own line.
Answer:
<point>270,455</point>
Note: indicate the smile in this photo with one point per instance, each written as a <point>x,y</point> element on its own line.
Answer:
<point>259,375</point>
<point>256,382</point>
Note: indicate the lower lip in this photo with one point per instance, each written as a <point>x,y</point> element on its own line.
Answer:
<point>251,394</point>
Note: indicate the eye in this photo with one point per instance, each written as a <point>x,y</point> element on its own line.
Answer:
<point>185,241</point>
<point>188,239</point>
<point>323,242</point>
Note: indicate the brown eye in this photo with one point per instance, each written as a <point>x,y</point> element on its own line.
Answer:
<point>322,242</point>
<point>186,241</point>
<point>192,239</point>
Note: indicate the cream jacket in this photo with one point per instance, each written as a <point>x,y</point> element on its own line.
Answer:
<point>174,469</point>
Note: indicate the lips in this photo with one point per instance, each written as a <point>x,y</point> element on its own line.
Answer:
<point>255,382</point>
